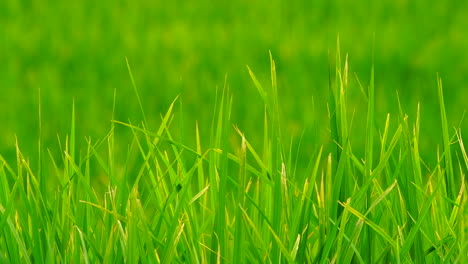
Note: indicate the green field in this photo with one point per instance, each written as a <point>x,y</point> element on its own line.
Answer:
<point>237,132</point>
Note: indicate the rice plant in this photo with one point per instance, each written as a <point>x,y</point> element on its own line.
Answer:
<point>158,198</point>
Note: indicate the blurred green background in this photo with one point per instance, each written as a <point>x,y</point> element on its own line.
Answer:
<point>76,51</point>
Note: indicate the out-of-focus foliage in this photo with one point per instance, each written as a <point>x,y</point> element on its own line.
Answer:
<point>76,50</point>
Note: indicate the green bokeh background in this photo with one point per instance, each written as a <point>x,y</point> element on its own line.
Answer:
<point>75,50</point>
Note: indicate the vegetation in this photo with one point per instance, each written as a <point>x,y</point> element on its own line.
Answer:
<point>132,131</point>
<point>227,201</point>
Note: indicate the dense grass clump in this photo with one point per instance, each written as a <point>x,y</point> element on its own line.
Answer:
<point>224,199</point>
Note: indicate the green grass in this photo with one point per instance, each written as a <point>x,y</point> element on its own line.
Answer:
<point>241,197</point>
